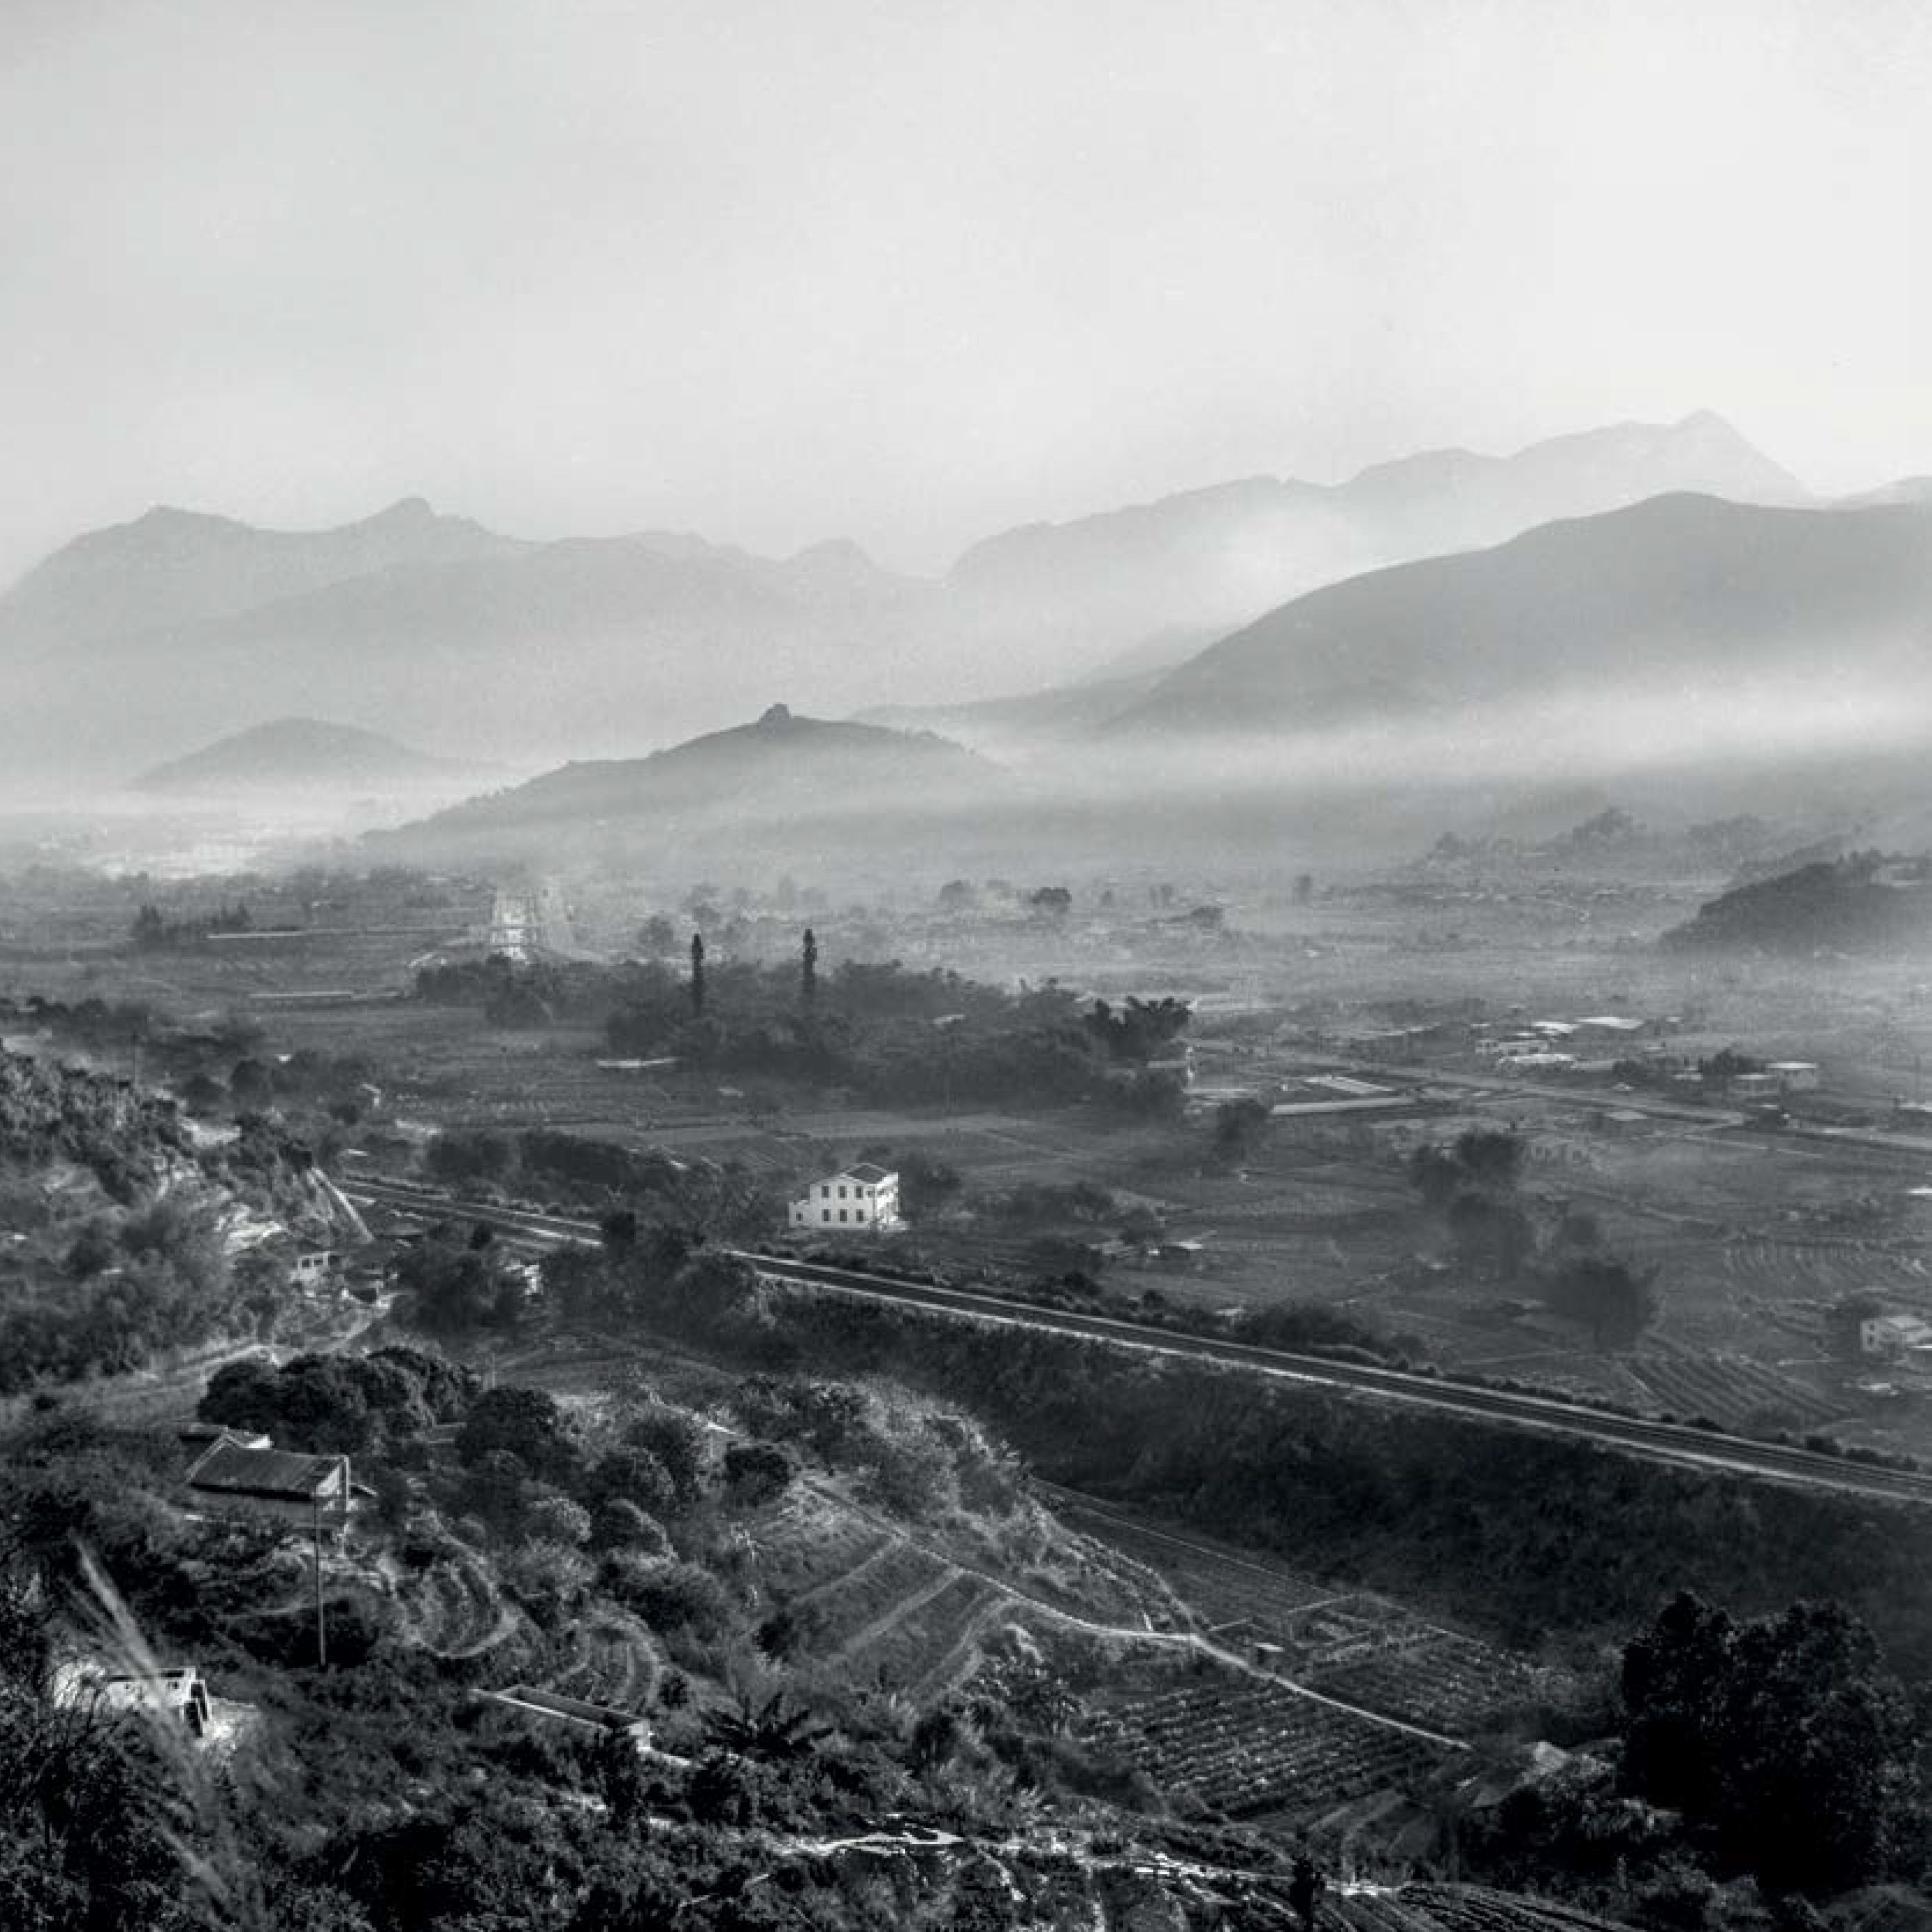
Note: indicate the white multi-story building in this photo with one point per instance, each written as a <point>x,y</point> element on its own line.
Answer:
<point>865,1197</point>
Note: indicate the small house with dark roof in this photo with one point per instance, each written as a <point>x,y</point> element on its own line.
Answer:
<point>282,1483</point>
<point>862,1199</point>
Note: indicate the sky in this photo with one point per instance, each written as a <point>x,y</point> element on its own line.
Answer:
<point>913,272</point>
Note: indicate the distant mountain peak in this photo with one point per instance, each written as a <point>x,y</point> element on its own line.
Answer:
<point>406,510</point>
<point>293,753</point>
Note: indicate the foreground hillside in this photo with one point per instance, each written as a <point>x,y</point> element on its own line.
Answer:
<point>693,1598</point>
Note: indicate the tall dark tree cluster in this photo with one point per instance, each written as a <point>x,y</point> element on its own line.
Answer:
<point>1784,1738</point>
<point>1138,1030</point>
<point>1473,1183</point>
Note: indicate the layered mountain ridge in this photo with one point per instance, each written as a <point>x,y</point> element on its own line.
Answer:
<point>179,627</point>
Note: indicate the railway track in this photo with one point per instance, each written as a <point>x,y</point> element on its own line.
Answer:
<point>1677,1444</point>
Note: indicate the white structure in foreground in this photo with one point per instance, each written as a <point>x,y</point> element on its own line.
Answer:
<point>865,1198</point>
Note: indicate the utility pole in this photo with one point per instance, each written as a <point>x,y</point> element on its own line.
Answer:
<point>321,1626</point>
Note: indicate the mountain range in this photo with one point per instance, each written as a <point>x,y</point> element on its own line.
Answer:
<point>178,626</point>
<point>1211,560</point>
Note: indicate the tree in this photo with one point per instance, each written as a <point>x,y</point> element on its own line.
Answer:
<point>1305,1889</point>
<point>527,1423</point>
<point>657,936</point>
<point>1786,1735</point>
<point>1613,1300</point>
<point>1239,1125</point>
<point>202,1094</point>
<point>635,1474</point>
<point>245,1394</point>
<point>770,1730</point>
<point>676,1440</point>
<point>757,1471</point>
<point>697,976</point>
<point>453,1289</point>
<point>925,1184</point>
<point>557,1519</point>
<point>1050,902</point>
<point>808,971</point>
<point>1490,1157</point>
<point>248,1083</point>
<point>1485,1158</point>
<point>1491,1237</point>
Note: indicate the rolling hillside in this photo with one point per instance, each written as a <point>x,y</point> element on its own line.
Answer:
<point>783,777</point>
<point>297,753</point>
<point>1684,599</point>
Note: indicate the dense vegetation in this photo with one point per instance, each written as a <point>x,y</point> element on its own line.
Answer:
<point>122,1216</point>
<point>877,1029</point>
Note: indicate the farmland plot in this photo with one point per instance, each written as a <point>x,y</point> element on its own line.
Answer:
<point>1245,1745</point>
<point>1739,1393</point>
<point>1435,1678</point>
<point>1361,1648</point>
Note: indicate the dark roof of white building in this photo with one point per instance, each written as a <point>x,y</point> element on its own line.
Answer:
<point>285,1474</point>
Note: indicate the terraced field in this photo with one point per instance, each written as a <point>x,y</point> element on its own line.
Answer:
<point>609,1658</point>
<point>452,1608</point>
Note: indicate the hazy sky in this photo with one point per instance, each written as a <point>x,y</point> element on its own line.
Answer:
<point>914,271</point>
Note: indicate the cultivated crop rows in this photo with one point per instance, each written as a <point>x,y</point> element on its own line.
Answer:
<point>1437,1678</point>
<point>1820,1269</point>
<point>1362,1649</point>
<point>1244,1745</point>
<point>1470,1908</point>
<point>1375,1911</point>
<point>1739,1393</point>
